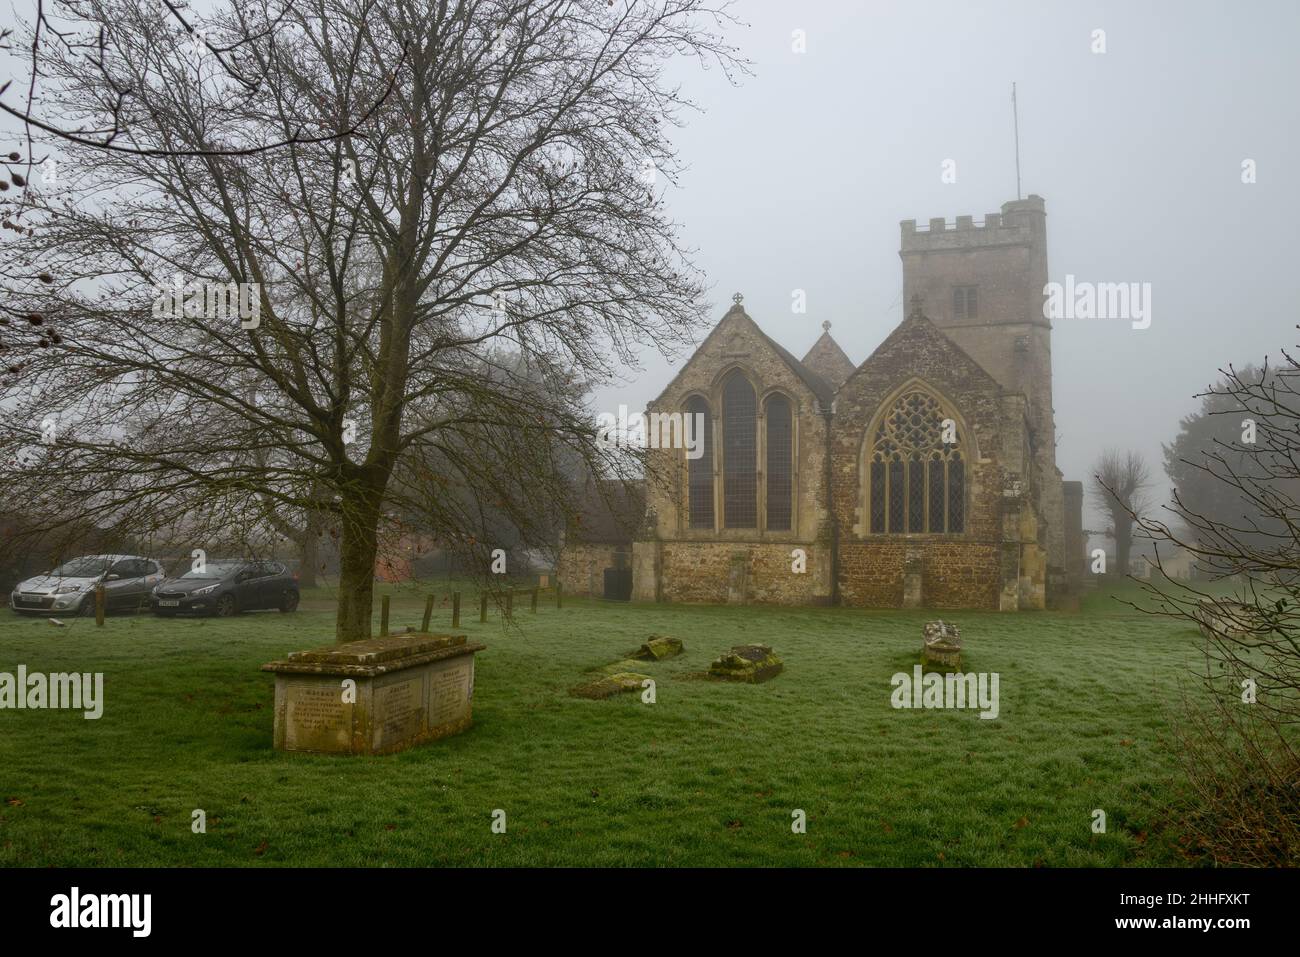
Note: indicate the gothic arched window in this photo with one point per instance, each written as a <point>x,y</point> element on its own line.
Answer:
<point>739,453</point>
<point>699,471</point>
<point>780,462</point>
<point>917,481</point>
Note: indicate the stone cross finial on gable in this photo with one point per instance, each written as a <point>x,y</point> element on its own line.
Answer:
<point>738,299</point>
<point>826,326</point>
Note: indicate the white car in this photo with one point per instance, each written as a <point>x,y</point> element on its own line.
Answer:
<point>70,588</point>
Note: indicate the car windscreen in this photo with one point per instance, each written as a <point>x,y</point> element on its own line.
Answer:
<point>82,568</point>
<point>215,570</point>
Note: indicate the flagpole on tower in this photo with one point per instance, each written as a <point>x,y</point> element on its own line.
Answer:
<point>1015,114</point>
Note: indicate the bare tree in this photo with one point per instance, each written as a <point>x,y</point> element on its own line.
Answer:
<point>76,28</point>
<point>1237,738</point>
<point>228,72</point>
<point>1118,484</point>
<point>504,195</point>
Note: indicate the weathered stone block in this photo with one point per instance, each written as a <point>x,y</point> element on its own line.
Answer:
<point>659,647</point>
<point>610,685</point>
<point>408,689</point>
<point>1223,618</point>
<point>751,663</point>
<point>615,667</point>
<point>941,643</point>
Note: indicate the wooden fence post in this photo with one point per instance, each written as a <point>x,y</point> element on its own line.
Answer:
<point>101,600</point>
<point>559,595</point>
<point>428,614</point>
<point>455,609</point>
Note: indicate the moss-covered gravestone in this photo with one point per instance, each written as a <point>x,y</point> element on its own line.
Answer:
<point>616,667</point>
<point>659,647</point>
<point>610,685</point>
<point>749,663</point>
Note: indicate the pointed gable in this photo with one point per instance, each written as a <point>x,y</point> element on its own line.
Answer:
<point>918,350</point>
<point>737,326</point>
<point>918,347</point>
<point>828,360</point>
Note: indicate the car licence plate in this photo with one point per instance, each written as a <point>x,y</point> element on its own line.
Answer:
<point>169,603</point>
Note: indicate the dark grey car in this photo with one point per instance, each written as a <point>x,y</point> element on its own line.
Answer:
<point>70,588</point>
<point>225,588</point>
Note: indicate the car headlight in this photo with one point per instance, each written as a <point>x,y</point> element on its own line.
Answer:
<point>65,589</point>
<point>204,591</point>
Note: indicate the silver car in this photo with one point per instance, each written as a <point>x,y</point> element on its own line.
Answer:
<point>70,588</point>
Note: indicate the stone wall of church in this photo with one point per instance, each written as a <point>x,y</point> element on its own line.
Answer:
<point>728,573</point>
<point>1005,261</point>
<point>677,562</point>
<point>580,569</point>
<point>951,574</point>
<point>997,560</point>
<point>737,343</point>
<point>954,570</point>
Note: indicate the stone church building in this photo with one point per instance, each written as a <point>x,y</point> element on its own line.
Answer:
<point>924,476</point>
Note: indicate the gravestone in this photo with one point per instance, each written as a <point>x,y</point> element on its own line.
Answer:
<point>659,647</point>
<point>1225,618</point>
<point>616,667</point>
<point>749,663</point>
<point>941,644</point>
<point>408,689</point>
<point>610,685</point>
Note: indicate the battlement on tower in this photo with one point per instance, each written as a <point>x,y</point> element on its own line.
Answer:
<point>1019,223</point>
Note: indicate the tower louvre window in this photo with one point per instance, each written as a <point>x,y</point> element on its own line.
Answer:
<point>965,302</point>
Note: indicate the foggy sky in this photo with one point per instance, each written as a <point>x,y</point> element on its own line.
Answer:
<point>800,176</point>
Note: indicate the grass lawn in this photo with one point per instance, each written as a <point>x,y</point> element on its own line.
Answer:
<point>708,775</point>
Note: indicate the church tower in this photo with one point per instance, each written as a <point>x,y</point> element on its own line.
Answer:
<point>982,284</point>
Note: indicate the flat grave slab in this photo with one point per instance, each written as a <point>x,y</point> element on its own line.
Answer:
<point>375,696</point>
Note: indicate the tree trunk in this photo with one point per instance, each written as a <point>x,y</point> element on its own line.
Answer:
<point>357,552</point>
<point>309,552</point>
<point>1123,541</point>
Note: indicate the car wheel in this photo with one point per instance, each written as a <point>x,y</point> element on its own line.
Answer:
<point>288,600</point>
<point>226,606</point>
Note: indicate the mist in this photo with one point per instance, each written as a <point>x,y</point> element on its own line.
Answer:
<point>800,175</point>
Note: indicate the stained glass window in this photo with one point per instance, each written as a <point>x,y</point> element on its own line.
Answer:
<point>917,481</point>
<point>739,453</point>
<point>700,470</point>
<point>937,500</point>
<point>956,493</point>
<point>780,463</point>
<point>878,496</point>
